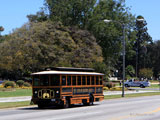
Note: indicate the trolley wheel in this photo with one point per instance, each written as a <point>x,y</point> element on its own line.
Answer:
<point>91,100</point>
<point>67,104</point>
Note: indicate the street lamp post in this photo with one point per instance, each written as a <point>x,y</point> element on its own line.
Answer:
<point>124,47</point>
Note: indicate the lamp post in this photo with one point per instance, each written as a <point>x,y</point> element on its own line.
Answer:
<point>124,47</point>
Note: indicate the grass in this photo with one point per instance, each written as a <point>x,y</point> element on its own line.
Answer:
<point>131,95</point>
<point>14,104</point>
<point>154,86</point>
<point>15,92</point>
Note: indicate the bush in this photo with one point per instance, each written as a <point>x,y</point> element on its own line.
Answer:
<point>146,73</point>
<point>105,88</point>
<point>110,85</point>
<point>26,84</point>
<point>9,84</point>
<point>20,83</point>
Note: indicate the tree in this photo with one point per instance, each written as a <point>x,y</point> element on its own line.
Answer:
<point>39,17</point>
<point>143,38</point>
<point>36,46</point>
<point>146,73</point>
<point>89,15</point>
<point>20,83</point>
<point>153,57</point>
<point>130,71</point>
<point>70,12</point>
<point>109,36</point>
<point>1,29</point>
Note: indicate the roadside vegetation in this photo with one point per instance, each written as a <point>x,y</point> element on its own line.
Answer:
<point>14,89</point>
<point>15,92</point>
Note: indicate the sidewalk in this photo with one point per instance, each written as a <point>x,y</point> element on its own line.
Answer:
<point>126,92</point>
<point>28,98</point>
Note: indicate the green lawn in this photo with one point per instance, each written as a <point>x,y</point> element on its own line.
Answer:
<point>154,86</point>
<point>131,95</point>
<point>15,92</point>
<point>14,104</point>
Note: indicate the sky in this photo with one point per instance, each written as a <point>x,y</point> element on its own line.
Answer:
<point>149,9</point>
<point>13,13</point>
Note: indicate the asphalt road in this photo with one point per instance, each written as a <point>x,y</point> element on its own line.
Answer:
<point>141,108</point>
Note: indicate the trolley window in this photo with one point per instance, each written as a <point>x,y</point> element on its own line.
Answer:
<point>68,80</point>
<point>55,80</point>
<point>79,80</point>
<point>36,80</point>
<point>74,80</point>
<point>44,80</point>
<point>83,80</point>
<point>63,80</point>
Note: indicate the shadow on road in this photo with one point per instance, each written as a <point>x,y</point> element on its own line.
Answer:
<point>54,107</point>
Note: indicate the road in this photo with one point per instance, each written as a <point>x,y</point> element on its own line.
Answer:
<point>140,108</point>
<point>28,98</point>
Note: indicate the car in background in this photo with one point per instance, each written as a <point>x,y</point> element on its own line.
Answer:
<point>1,82</point>
<point>136,83</point>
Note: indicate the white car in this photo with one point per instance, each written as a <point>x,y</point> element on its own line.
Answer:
<point>134,83</point>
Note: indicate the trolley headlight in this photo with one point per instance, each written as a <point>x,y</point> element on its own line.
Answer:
<point>57,91</point>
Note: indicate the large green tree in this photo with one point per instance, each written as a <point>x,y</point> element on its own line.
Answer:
<point>71,12</point>
<point>35,46</point>
<point>143,38</point>
<point>89,14</point>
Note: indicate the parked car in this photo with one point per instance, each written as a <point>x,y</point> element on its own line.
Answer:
<point>136,83</point>
<point>1,82</point>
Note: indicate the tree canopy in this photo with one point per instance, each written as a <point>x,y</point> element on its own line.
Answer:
<point>73,33</point>
<point>38,45</point>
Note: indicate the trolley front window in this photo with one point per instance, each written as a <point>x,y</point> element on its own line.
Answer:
<point>44,80</point>
<point>36,80</point>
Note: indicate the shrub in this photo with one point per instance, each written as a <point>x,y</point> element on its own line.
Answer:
<point>110,85</point>
<point>26,84</point>
<point>146,73</point>
<point>9,84</point>
<point>20,83</point>
<point>105,88</point>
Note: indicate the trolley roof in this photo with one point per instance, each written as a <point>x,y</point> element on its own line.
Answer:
<point>66,73</point>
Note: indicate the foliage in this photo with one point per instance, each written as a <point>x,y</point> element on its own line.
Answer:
<point>45,44</point>
<point>70,12</point>
<point>105,88</point>
<point>153,57</point>
<point>146,73</point>
<point>72,33</point>
<point>9,84</point>
<point>110,84</point>
<point>90,15</point>
<point>20,83</point>
<point>26,84</point>
<point>1,28</point>
<point>130,71</point>
<point>143,38</point>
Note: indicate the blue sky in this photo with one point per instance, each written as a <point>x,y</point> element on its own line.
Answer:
<point>13,13</point>
<point>149,9</point>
